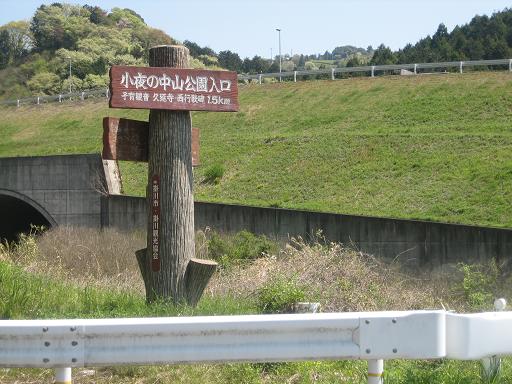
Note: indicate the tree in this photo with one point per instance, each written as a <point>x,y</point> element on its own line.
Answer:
<point>56,26</point>
<point>441,33</point>
<point>259,64</point>
<point>383,56</point>
<point>230,60</point>
<point>44,83</point>
<point>97,15</point>
<point>354,61</point>
<point>4,49</point>
<point>149,37</point>
<point>126,18</point>
<point>19,40</point>
<point>302,61</point>
<point>196,50</point>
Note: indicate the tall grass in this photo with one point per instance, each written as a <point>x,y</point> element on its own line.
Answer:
<point>69,272</point>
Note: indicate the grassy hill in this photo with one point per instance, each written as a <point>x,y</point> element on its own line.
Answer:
<point>428,147</point>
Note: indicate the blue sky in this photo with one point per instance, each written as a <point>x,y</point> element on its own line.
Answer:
<point>248,27</point>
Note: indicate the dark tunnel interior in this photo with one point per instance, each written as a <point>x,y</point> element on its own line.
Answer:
<point>17,216</point>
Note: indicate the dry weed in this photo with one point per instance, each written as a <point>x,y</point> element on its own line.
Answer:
<point>341,279</point>
<point>87,256</point>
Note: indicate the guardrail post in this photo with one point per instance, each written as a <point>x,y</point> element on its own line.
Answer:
<point>460,67</point>
<point>332,73</point>
<point>373,70</point>
<point>37,100</point>
<point>415,67</point>
<point>63,376</point>
<point>18,103</point>
<point>295,76</point>
<point>510,65</point>
<point>259,79</point>
<point>60,98</point>
<point>82,96</point>
<point>375,371</point>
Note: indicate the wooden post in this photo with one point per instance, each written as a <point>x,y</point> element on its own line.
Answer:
<point>170,236</point>
<point>170,91</point>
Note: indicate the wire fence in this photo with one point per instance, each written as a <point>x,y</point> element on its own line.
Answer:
<point>369,70</point>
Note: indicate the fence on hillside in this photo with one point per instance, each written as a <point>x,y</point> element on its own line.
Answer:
<point>295,75</point>
<point>73,96</point>
<point>371,336</point>
<point>375,69</point>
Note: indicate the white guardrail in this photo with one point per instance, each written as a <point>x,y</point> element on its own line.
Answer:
<point>372,336</point>
<point>371,70</point>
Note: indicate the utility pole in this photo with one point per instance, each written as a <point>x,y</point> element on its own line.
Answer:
<point>69,74</point>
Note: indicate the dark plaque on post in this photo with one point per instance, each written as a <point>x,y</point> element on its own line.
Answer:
<point>173,88</point>
<point>168,143</point>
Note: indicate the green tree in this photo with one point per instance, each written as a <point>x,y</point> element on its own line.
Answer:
<point>4,49</point>
<point>59,26</point>
<point>383,56</point>
<point>19,40</point>
<point>44,83</point>
<point>97,15</point>
<point>195,50</point>
<point>145,38</point>
<point>230,60</point>
<point>126,18</point>
<point>302,61</point>
<point>256,65</point>
<point>95,81</point>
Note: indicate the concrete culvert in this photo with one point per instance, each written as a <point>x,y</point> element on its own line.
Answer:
<point>18,214</point>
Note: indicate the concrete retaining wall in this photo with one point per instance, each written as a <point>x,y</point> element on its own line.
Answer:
<point>67,190</point>
<point>65,186</point>
<point>416,243</point>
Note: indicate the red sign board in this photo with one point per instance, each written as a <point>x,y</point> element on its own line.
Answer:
<point>173,88</point>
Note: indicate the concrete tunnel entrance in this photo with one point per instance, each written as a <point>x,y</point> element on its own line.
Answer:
<point>18,213</point>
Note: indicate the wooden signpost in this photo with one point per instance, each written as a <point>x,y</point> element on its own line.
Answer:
<point>170,90</point>
<point>173,89</point>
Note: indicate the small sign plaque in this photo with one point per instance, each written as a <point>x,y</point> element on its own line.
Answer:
<point>173,89</point>
<point>155,223</point>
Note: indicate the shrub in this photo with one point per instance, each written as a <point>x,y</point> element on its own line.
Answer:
<point>279,295</point>
<point>243,246</point>
<point>478,285</point>
<point>213,174</point>
<point>44,83</point>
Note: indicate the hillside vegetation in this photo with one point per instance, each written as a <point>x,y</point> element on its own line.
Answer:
<point>35,56</point>
<point>425,147</point>
<point>483,37</point>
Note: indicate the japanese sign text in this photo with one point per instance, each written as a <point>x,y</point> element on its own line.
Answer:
<point>173,88</point>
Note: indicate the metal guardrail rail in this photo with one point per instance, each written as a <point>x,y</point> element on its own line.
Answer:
<point>104,92</point>
<point>371,70</point>
<point>372,336</point>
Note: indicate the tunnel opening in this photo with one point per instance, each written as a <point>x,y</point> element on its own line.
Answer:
<point>19,216</point>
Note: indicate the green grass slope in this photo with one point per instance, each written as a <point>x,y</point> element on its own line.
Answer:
<point>427,147</point>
